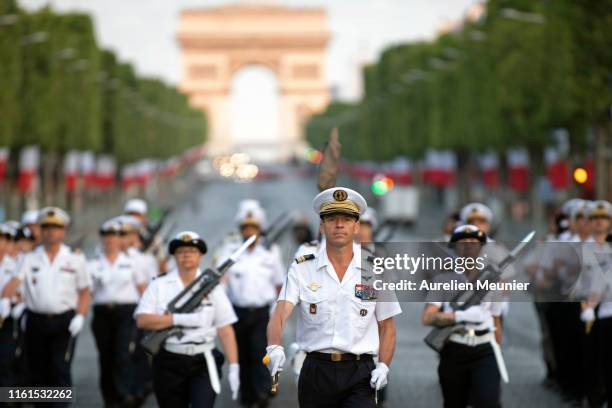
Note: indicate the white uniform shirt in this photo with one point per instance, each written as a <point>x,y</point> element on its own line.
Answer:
<point>7,271</point>
<point>253,279</point>
<point>330,316</point>
<point>52,287</point>
<point>115,282</point>
<point>161,291</point>
<point>147,263</point>
<point>598,264</point>
<point>489,309</point>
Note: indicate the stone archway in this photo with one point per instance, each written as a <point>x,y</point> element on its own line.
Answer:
<point>217,42</point>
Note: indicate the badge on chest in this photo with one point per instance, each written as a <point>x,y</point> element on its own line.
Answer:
<point>365,292</point>
<point>313,308</point>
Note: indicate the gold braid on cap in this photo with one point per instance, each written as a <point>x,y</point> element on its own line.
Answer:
<point>339,206</point>
<point>52,218</point>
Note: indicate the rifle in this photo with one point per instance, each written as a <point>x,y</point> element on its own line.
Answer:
<point>273,234</point>
<point>197,290</point>
<point>437,337</point>
<point>152,231</point>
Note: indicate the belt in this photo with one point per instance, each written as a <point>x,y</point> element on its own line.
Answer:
<point>336,357</point>
<point>472,340</point>
<point>50,315</point>
<point>195,349</point>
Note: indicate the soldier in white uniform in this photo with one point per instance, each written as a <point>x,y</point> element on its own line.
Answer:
<point>339,326</point>
<point>7,341</point>
<point>30,219</point>
<point>148,266</point>
<point>468,371</point>
<point>185,373</point>
<point>118,283</point>
<point>252,287</point>
<point>57,294</point>
<point>597,313</point>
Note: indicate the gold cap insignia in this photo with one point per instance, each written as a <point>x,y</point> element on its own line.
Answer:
<point>186,237</point>
<point>340,195</point>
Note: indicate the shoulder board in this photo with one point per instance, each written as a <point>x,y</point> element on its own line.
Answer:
<point>76,250</point>
<point>370,259</point>
<point>304,258</point>
<point>161,275</point>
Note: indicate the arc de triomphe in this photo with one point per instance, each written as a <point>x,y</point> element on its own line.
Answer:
<point>217,42</point>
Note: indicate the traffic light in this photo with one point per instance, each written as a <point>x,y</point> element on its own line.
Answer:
<point>382,185</point>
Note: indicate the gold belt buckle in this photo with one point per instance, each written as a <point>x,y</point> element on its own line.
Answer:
<point>336,357</point>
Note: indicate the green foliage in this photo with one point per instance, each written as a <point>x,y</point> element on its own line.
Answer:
<point>494,83</point>
<point>59,90</point>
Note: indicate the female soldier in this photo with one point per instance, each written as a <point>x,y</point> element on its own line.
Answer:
<point>184,371</point>
<point>468,370</point>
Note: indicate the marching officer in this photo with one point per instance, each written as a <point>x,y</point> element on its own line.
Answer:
<point>57,294</point>
<point>30,219</point>
<point>185,372</point>
<point>597,313</point>
<point>339,326</point>
<point>252,286</point>
<point>118,283</point>
<point>470,363</point>
<point>146,263</point>
<point>7,340</point>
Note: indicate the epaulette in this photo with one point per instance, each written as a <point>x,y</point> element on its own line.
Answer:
<point>76,250</point>
<point>370,259</point>
<point>304,258</point>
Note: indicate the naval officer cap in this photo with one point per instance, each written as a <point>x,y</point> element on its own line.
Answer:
<point>129,223</point>
<point>339,200</point>
<point>250,213</point>
<point>476,211</point>
<point>187,238</point>
<point>369,217</point>
<point>580,209</point>
<point>468,231</point>
<point>600,208</point>
<point>111,227</point>
<point>135,206</point>
<point>53,216</point>
<point>29,217</point>
<point>570,204</point>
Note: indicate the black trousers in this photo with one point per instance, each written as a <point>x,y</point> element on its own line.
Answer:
<point>142,368</point>
<point>567,333</point>
<point>343,384</point>
<point>114,330</point>
<point>183,381</point>
<point>8,344</point>
<point>250,329</point>
<point>47,339</point>
<point>605,343</point>
<point>469,376</point>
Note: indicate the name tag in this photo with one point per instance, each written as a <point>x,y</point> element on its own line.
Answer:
<point>69,270</point>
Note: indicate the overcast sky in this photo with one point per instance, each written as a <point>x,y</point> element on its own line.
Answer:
<point>144,31</point>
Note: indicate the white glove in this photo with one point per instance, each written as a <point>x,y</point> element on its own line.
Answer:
<point>187,319</point>
<point>472,315</point>
<point>587,315</point>
<point>5,307</point>
<point>379,376</point>
<point>277,358</point>
<point>234,379</point>
<point>18,310</point>
<point>76,325</point>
